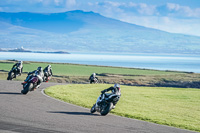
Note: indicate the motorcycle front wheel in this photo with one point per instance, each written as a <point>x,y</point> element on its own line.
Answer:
<point>10,76</point>
<point>27,88</point>
<point>93,109</point>
<point>106,109</point>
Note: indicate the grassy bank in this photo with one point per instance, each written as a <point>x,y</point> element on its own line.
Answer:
<point>73,73</point>
<point>82,70</point>
<point>176,107</point>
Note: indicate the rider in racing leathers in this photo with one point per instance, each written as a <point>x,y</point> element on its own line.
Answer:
<point>48,71</point>
<point>39,73</point>
<point>114,89</point>
<point>92,77</point>
<point>19,67</point>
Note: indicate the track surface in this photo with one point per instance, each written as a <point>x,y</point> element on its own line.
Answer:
<point>37,113</point>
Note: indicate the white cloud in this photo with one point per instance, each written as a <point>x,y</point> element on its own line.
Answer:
<point>185,26</point>
<point>170,9</point>
<point>183,11</point>
<point>146,9</point>
<point>171,17</point>
<point>173,25</point>
<point>172,6</point>
<point>58,2</point>
<point>176,18</point>
<point>70,3</point>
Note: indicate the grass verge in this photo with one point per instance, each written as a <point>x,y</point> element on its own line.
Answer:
<point>74,73</point>
<point>178,107</point>
<point>81,70</point>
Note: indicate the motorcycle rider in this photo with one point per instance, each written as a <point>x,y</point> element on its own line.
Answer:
<point>48,71</point>
<point>19,67</point>
<point>114,89</point>
<point>39,73</point>
<point>92,77</point>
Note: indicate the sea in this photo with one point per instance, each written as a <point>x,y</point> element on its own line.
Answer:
<point>186,63</point>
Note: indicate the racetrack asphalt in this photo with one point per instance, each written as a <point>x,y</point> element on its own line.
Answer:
<point>37,113</point>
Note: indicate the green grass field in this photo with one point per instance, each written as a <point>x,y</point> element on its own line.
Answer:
<point>82,70</point>
<point>176,107</point>
<point>74,73</point>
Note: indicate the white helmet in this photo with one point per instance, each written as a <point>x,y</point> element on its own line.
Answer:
<point>94,74</point>
<point>117,86</point>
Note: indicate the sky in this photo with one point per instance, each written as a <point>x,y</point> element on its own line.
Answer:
<point>175,16</point>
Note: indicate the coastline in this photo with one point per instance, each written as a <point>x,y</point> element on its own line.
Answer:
<point>155,62</point>
<point>29,51</point>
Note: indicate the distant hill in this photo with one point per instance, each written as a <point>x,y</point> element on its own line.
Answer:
<point>28,51</point>
<point>88,31</point>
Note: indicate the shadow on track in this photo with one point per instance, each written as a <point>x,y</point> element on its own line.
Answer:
<point>18,128</point>
<point>72,113</point>
<point>10,93</point>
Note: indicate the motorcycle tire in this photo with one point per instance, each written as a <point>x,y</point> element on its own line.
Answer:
<point>10,76</point>
<point>45,79</point>
<point>27,89</point>
<point>107,109</point>
<point>93,109</point>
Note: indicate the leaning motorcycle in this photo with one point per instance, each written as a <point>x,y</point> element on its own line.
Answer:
<point>94,80</point>
<point>46,77</point>
<point>106,104</point>
<point>12,74</point>
<point>30,85</point>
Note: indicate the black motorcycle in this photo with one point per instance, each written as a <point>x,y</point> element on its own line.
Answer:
<point>30,85</point>
<point>12,74</point>
<point>47,77</point>
<point>94,80</point>
<point>105,103</point>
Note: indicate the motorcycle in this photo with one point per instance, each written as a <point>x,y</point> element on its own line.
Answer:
<point>105,105</point>
<point>30,85</point>
<point>12,74</point>
<point>94,80</point>
<point>46,77</point>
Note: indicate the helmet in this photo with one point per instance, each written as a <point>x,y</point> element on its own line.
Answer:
<point>49,66</point>
<point>20,62</point>
<point>94,74</point>
<point>39,69</point>
<point>117,86</point>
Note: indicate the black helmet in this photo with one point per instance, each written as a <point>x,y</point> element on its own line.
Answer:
<point>39,69</point>
<point>20,62</point>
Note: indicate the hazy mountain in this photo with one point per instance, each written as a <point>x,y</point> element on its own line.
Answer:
<point>88,31</point>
